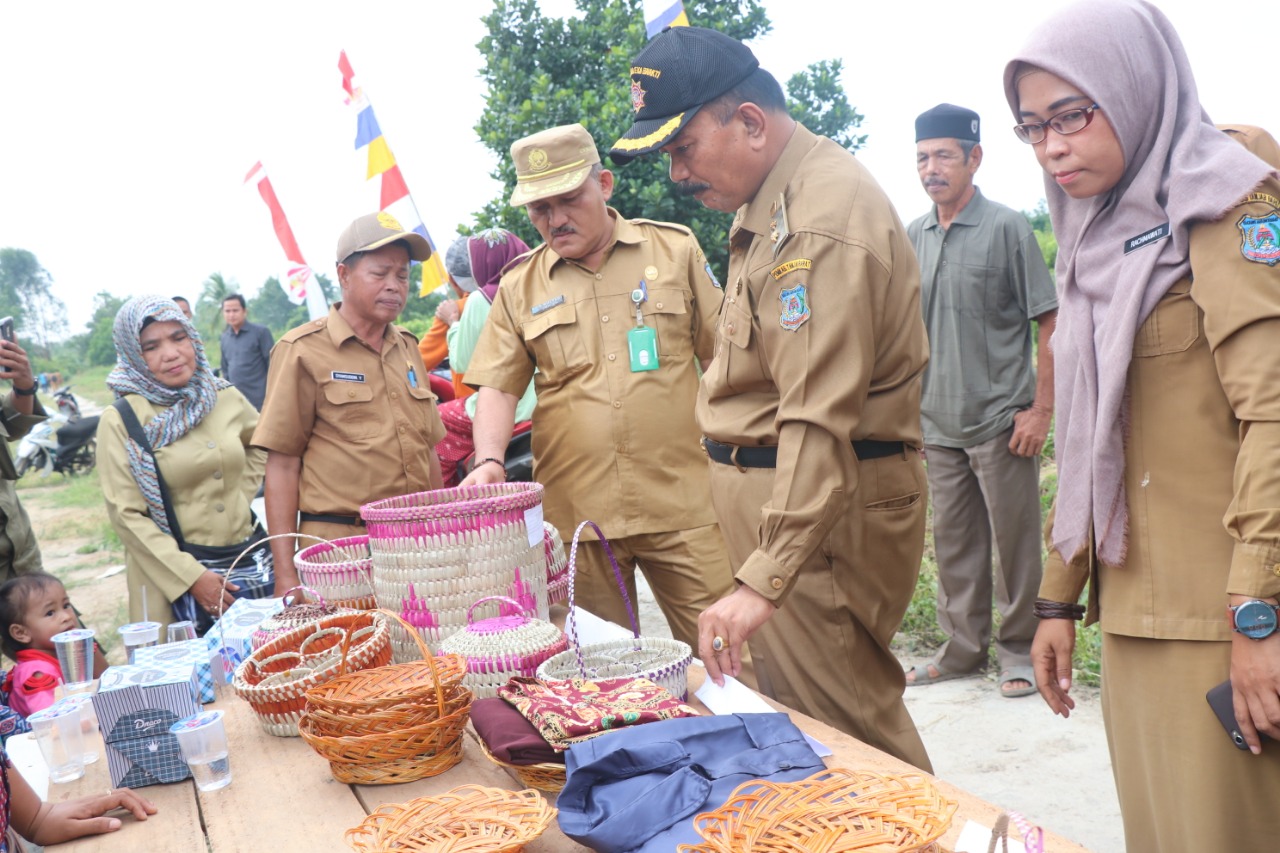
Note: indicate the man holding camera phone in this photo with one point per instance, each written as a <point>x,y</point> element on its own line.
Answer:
<point>21,410</point>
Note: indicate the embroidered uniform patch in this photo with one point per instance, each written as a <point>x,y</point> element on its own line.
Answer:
<point>795,307</point>
<point>1259,242</point>
<point>711,275</point>
<point>790,266</point>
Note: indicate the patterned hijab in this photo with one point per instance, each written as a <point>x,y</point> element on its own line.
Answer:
<point>1179,170</point>
<point>180,408</point>
<point>490,251</point>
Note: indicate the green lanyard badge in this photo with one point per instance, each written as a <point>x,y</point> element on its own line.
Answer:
<point>642,341</point>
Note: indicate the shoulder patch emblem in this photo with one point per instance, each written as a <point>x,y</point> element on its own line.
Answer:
<point>795,307</point>
<point>790,266</point>
<point>715,282</point>
<point>1259,241</point>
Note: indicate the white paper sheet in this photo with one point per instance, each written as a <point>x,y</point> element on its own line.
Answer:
<point>534,525</point>
<point>736,698</point>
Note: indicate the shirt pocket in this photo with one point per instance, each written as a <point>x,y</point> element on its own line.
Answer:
<point>1173,327</point>
<point>734,360</point>
<point>349,410</point>
<point>422,411</point>
<point>667,312</point>
<point>555,338</point>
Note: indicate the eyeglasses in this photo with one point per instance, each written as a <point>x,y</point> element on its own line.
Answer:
<point>1064,123</point>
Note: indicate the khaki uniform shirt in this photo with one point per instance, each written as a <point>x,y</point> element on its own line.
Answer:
<point>849,371</point>
<point>212,473</point>
<point>616,447</point>
<point>1202,454</point>
<point>20,554</point>
<point>363,430</point>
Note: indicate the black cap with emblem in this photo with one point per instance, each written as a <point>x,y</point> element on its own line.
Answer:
<point>947,121</point>
<point>679,71</point>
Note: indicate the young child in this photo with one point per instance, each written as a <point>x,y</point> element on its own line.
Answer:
<point>33,607</point>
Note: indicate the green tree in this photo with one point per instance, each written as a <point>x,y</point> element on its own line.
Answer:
<point>1043,229</point>
<point>26,295</point>
<point>99,346</point>
<point>542,72</point>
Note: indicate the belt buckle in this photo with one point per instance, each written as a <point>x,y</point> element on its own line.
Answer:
<point>702,442</point>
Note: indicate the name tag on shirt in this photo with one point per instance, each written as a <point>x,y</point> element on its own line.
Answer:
<point>1146,238</point>
<point>548,305</point>
<point>339,376</point>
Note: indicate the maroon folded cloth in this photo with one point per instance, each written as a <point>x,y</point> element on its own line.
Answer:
<point>509,736</point>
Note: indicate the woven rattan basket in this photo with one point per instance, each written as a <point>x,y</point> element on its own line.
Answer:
<point>436,553</point>
<point>378,726</point>
<point>557,565</point>
<point>340,571</point>
<point>468,819</point>
<point>831,812</point>
<point>500,648</point>
<point>294,615</point>
<point>664,662</point>
<point>545,776</point>
<point>275,678</point>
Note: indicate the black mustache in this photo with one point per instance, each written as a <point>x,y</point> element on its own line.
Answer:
<point>562,230</point>
<point>687,188</point>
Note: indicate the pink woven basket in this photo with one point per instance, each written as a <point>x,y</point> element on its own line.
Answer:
<point>341,571</point>
<point>500,648</point>
<point>294,615</point>
<point>446,511</point>
<point>557,565</point>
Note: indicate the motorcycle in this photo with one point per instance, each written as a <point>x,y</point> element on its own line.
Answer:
<point>59,445</point>
<point>67,403</point>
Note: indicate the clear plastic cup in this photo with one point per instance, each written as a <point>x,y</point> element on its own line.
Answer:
<point>179,632</point>
<point>203,742</point>
<point>57,730</point>
<point>138,635</point>
<point>88,724</point>
<point>74,649</point>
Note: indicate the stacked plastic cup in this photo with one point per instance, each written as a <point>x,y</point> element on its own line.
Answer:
<point>57,730</point>
<point>75,656</point>
<point>88,724</point>
<point>203,742</point>
<point>139,635</point>
<point>179,632</point>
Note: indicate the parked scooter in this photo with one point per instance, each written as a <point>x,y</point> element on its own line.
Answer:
<point>59,445</point>
<point>67,403</point>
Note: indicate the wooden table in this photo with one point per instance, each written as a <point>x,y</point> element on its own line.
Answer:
<point>283,799</point>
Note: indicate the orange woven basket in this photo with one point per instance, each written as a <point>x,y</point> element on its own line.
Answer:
<point>546,776</point>
<point>831,812</point>
<point>468,819</point>
<point>391,724</point>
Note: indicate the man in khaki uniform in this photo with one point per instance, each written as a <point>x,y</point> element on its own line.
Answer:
<point>349,416</point>
<point>19,553</point>
<point>811,407</point>
<point>614,437</point>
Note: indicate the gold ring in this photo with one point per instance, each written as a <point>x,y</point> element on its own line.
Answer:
<point>717,644</point>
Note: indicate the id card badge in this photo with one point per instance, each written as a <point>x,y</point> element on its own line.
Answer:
<point>642,341</point>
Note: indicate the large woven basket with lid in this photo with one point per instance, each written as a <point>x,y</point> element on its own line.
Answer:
<point>503,646</point>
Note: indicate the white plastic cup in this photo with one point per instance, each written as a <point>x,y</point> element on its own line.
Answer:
<point>139,635</point>
<point>74,649</point>
<point>180,632</point>
<point>203,741</point>
<point>88,724</point>
<point>57,730</point>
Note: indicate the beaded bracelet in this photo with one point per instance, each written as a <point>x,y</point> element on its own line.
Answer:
<point>1043,608</point>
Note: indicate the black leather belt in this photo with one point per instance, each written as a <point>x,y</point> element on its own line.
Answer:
<point>767,457</point>
<point>322,518</point>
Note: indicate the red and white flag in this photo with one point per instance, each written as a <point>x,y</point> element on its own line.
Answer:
<point>299,281</point>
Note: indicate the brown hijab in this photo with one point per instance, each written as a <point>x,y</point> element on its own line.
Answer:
<point>1179,170</point>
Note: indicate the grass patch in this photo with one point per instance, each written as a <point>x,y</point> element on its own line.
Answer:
<point>61,491</point>
<point>91,383</point>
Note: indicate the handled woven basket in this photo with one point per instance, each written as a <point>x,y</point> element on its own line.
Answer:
<point>392,724</point>
<point>833,811</point>
<point>546,776</point>
<point>467,819</point>
<point>275,678</point>
<point>498,649</point>
<point>664,662</point>
<point>341,571</point>
<point>294,615</point>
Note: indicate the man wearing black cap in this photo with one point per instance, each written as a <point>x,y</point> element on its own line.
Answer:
<point>811,407</point>
<point>985,411</point>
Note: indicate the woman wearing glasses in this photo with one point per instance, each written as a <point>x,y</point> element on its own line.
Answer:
<point>1167,362</point>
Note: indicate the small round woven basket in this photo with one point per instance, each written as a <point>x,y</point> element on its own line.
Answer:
<point>833,811</point>
<point>498,649</point>
<point>468,819</point>
<point>340,571</point>
<point>663,661</point>
<point>557,565</point>
<point>546,776</point>
<point>294,615</point>
<point>275,678</point>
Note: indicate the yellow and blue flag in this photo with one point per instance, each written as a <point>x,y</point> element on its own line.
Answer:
<point>660,14</point>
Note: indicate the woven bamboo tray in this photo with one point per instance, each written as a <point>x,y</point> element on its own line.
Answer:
<point>275,678</point>
<point>663,661</point>
<point>831,812</point>
<point>546,776</point>
<point>503,647</point>
<point>340,571</point>
<point>435,553</point>
<point>468,819</point>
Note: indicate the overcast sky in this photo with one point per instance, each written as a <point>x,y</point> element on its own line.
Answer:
<point>129,126</point>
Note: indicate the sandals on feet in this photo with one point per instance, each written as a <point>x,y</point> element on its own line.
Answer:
<point>924,674</point>
<point>1017,673</point>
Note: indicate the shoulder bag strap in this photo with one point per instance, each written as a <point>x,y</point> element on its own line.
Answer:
<point>134,427</point>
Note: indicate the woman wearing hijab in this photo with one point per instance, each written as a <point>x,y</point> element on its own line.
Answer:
<point>180,504</point>
<point>476,263</point>
<point>1168,427</point>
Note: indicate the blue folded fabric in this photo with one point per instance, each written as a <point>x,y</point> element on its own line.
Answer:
<point>638,789</point>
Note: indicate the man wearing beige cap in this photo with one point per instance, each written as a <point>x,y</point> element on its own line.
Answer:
<point>349,417</point>
<point>615,315</point>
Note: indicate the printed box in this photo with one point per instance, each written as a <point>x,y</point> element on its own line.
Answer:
<point>136,705</point>
<point>188,653</point>
<point>235,629</point>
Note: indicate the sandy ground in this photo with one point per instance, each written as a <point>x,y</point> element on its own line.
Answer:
<point>1013,753</point>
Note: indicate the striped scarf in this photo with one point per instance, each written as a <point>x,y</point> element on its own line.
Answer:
<point>180,408</point>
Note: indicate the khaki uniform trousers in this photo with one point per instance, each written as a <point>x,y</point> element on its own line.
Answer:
<point>825,651</point>
<point>1183,785</point>
<point>686,569</point>
<point>977,492</point>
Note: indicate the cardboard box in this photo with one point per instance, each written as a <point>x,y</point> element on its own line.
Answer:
<point>235,629</point>
<point>189,653</point>
<point>136,705</point>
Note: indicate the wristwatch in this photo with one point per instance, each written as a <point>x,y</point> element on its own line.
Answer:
<point>1255,619</point>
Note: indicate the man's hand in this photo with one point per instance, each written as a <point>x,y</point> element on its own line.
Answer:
<point>1030,429</point>
<point>1255,687</point>
<point>733,619</point>
<point>447,312</point>
<point>1051,658</point>
<point>209,594</point>
<point>15,366</point>
<point>482,475</point>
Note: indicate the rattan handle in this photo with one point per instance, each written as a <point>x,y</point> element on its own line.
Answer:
<point>622,587</point>
<point>285,598</point>
<point>519,607</point>
<point>426,654</point>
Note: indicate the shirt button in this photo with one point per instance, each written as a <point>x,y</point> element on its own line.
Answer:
<point>401,430</point>
<point>776,583</point>
<point>612,357</point>
<point>1276,569</point>
<point>217,475</point>
<point>219,507</point>
<point>599,276</point>
<point>351,394</point>
<point>212,445</point>
<point>395,396</point>
<point>617,404</point>
<point>729,328</point>
<point>659,306</point>
<point>604,319</point>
